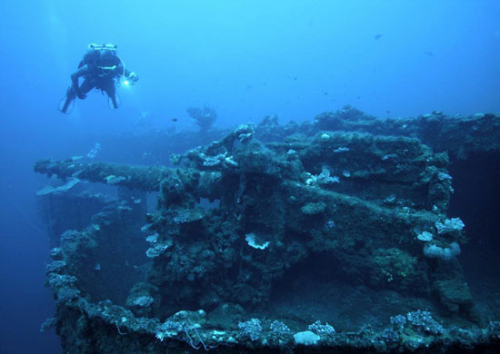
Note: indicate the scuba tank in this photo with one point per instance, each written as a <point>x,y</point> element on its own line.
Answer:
<point>94,46</point>
<point>103,57</point>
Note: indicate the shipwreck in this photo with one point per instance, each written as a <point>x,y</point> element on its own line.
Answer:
<point>345,233</point>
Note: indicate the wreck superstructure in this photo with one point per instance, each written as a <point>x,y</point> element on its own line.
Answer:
<point>330,234</point>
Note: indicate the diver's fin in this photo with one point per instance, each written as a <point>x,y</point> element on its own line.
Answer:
<point>66,105</point>
<point>118,101</point>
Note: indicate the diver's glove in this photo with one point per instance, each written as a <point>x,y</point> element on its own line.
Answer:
<point>133,77</point>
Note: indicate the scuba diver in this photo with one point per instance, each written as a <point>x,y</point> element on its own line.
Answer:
<point>101,68</point>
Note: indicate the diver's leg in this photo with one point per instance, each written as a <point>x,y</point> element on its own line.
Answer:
<point>111,91</point>
<point>86,86</point>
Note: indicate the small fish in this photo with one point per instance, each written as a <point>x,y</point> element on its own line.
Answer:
<point>429,54</point>
<point>377,36</point>
<point>174,119</point>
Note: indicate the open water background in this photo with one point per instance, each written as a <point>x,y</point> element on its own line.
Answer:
<point>246,59</point>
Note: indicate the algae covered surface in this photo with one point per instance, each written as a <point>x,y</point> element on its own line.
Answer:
<point>339,233</point>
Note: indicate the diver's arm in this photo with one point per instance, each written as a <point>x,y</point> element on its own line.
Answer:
<point>131,75</point>
<point>74,79</point>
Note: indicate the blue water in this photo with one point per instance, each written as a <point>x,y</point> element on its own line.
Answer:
<point>246,59</point>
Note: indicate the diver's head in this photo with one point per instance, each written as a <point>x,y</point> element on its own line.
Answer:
<point>109,58</point>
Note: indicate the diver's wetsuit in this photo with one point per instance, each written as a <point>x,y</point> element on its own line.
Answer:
<point>95,76</point>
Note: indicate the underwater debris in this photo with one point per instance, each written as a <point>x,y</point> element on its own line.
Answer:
<point>306,338</point>
<point>112,179</point>
<point>250,329</point>
<point>70,183</point>
<point>143,178</point>
<point>321,329</point>
<point>204,117</point>
<point>313,208</point>
<point>425,236</point>
<point>449,226</point>
<point>157,250</point>
<point>323,178</point>
<point>446,253</point>
<point>280,333</point>
<point>250,238</point>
